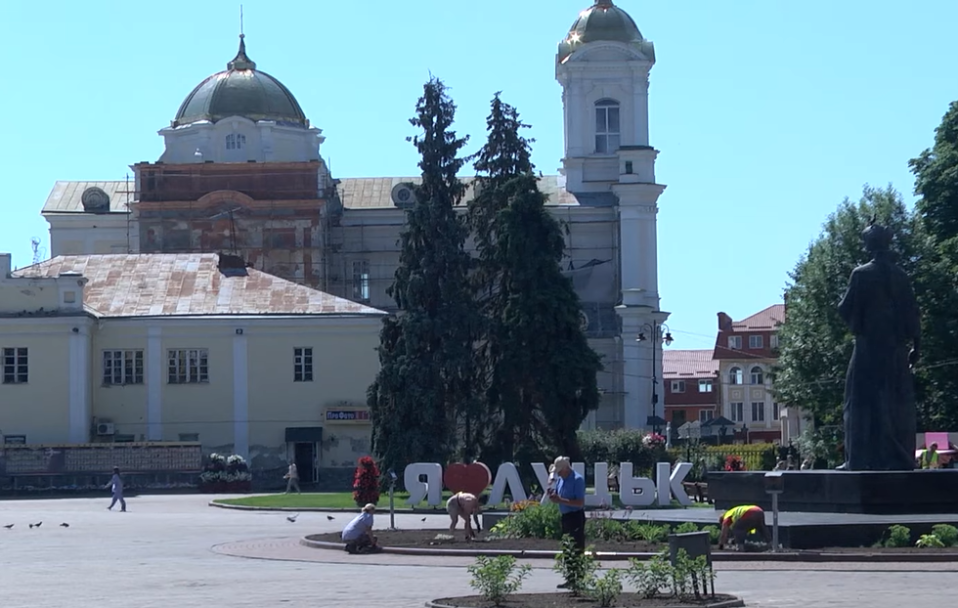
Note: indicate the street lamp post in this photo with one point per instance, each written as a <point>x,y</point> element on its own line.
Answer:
<point>657,336</point>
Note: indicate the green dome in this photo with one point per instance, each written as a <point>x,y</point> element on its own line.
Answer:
<point>604,21</point>
<point>244,91</point>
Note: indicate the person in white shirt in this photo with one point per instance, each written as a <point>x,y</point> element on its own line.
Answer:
<point>292,477</point>
<point>552,484</point>
<point>116,484</point>
<point>358,533</point>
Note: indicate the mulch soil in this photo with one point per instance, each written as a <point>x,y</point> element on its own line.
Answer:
<point>566,600</point>
<point>439,538</point>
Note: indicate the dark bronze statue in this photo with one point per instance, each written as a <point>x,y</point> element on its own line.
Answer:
<point>880,309</point>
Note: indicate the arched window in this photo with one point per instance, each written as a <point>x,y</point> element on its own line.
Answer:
<point>607,129</point>
<point>758,376</point>
<point>735,375</point>
<point>235,141</point>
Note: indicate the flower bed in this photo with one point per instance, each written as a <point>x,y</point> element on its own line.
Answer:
<point>225,475</point>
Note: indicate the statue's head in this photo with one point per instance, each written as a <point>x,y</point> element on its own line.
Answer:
<point>877,238</point>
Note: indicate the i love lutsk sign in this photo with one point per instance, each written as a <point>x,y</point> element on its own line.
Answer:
<point>424,481</point>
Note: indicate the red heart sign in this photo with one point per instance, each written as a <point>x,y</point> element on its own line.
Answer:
<point>472,478</point>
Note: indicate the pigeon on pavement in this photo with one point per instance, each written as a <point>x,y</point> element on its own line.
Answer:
<point>8,526</point>
<point>292,519</point>
<point>64,525</point>
<point>330,517</point>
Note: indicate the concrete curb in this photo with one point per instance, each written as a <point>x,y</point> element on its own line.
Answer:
<point>404,511</point>
<point>736,603</point>
<point>795,556</point>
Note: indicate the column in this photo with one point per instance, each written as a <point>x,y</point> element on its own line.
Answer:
<point>154,384</point>
<point>640,113</point>
<point>240,394</point>
<point>81,415</point>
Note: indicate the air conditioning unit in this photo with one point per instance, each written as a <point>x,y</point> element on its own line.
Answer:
<point>105,429</point>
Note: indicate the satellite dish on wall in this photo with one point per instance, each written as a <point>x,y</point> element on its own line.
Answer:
<point>403,195</point>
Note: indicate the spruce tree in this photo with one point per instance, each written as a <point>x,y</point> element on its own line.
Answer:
<point>540,372</point>
<point>426,350</point>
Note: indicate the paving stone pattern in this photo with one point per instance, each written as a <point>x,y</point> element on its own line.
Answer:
<point>177,551</point>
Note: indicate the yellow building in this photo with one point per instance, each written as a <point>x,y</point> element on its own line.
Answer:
<point>185,347</point>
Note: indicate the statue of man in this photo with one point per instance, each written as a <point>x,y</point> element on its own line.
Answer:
<point>879,307</point>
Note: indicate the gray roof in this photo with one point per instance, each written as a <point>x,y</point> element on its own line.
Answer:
<point>66,197</point>
<point>376,192</point>
<point>355,193</point>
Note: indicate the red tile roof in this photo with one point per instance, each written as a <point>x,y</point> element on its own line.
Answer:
<point>188,284</point>
<point>767,319</point>
<point>688,364</point>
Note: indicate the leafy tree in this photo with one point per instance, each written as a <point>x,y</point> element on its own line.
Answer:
<point>426,350</point>
<point>815,343</point>
<point>936,183</point>
<point>816,346</point>
<point>540,370</point>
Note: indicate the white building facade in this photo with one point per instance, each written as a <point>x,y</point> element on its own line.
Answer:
<point>244,120</point>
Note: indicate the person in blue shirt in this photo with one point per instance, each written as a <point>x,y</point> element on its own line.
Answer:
<point>358,533</point>
<point>569,494</point>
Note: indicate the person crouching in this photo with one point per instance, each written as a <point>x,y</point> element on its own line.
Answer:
<point>740,521</point>
<point>358,533</point>
<point>466,506</point>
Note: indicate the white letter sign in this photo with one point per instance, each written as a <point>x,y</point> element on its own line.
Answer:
<point>507,474</point>
<point>635,491</point>
<point>417,489</point>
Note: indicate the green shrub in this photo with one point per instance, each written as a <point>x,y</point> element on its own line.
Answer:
<point>948,535</point>
<point>651,577</point>
<point>898,536</point>
<point>606,589</point>
<point>495,578</point>
<point>537,521</point>
<point>714,533</point>
<point>929,541</point>
<point>647,531</point>
<point>603,528</point>
<point>686,528</point>
<point>576,567</point>
<point>690,574</point>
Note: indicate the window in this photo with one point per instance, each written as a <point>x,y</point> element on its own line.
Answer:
<point>678,386</point>
<point>735,342</point>
<point>185,437</point>
<point>189,366</point>
<point>773,341</point>
<point>758,376</point>
<point>122,367</point>
<point>302,365</point>
<point>758,411</point>
<point>706,415</point>
<point>607,130</point>
<point>776,411</point>
<point>705,386</point>
<point>361,281</point>
<point>15,366</point>
<point>235,141</point>
<point>737,411</point>
<point>735,375</point>
<point>69,297</point>
<point>756,342</point>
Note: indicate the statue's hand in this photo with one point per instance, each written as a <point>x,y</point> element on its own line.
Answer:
<point>913,356</point>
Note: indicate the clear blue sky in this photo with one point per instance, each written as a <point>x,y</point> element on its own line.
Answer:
<point>767,113</point>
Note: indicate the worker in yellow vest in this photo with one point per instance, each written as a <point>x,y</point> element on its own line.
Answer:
<point>929,459</point>
<point>740,522</point>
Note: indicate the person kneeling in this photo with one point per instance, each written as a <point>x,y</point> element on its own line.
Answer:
<point>358,533</point>
<point>740,522</point>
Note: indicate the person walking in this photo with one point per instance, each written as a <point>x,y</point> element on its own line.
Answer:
<point>569,494</point>
<point>116,484</point>
<point>292,478</point>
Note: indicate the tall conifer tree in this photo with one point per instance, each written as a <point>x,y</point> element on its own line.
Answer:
<point>540,371</point>
<point>426,352</point>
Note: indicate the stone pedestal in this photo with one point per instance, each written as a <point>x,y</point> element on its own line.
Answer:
<point>871,492</point>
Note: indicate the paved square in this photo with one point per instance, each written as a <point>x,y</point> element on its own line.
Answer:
<point>177,551</point>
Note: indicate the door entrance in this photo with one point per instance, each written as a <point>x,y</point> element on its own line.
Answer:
<point>304,455</point>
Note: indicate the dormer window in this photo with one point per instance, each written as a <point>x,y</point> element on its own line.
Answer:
<point>69,297</point>
<point>607,129</point>
<point>235,141</point>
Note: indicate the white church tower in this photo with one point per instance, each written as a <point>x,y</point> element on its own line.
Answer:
<point>603,66</point>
